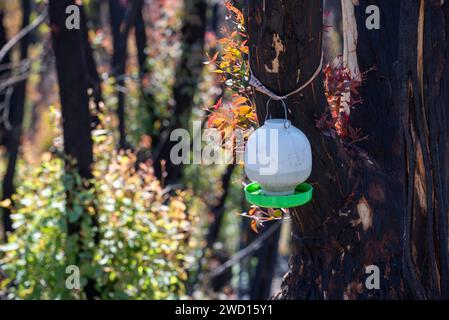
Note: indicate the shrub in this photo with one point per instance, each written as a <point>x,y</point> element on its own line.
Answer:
<point>142,247</point>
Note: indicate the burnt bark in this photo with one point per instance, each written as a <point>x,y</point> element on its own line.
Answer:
<point>217,210</point>
<point>382,201</point>
<point>4,71</point>
<point>423,66</point>
<point>285,48</point>
<point>267,257</point>
<point>122,18</point>
<point>93,78</point>
<point>117,16</point>
<point>71,67</point>
<point>141,40</point>
<point>13,133</point>
<point>188,74</point>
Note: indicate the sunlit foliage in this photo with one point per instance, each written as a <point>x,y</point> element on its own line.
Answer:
<point>236,110</point>
<point>142,250</point>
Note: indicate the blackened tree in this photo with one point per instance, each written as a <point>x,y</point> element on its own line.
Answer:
<point>16,107</point>
<point>188,75</point>
<point>69,49</point>
<point>381,201</point>
<point>123,17</point>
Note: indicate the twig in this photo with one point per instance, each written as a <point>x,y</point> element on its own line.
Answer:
<point>13,81</point>
<point>255,245</point>
<point>5,109</point>
<point>22,33</point>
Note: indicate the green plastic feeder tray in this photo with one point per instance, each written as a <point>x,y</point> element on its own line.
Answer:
<point>302,195</point>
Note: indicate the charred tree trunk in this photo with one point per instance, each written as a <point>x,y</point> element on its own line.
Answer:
<point>71,66</point>
<point>3,72</point>
<point>382,201</point>
<point>122,20</point>
<point>285,46</point>
<point>188,74</point>
<point>93,78</point>
<point>6,220</point>
<point>141,40</point>
<point>215,17</point>
<point>423,99</point>
<point>409,90</point>
<point>217,211</point>
<point>15,118</point>
<point>71,69</point>
<point>267,258</point>
<point>117,16</point>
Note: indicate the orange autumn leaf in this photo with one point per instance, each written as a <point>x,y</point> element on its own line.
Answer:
<point>252,211</point>
<point>254,226</point>
<point>239,15</point>
<point>239,101</point>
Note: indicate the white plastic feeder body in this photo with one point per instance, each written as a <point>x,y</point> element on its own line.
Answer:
<point>278,156</point>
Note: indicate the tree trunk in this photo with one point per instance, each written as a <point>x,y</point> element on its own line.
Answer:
<point>117,16</point>
<point>3,72</point>
<point>72,78</point>
<point>423,97</point>
<point>382,201</point>
<point>15,119</point>
<point>267,257</point>
<point>93,78</point>
<point>404,136</point>
<point>141,40</point>
<point>122,21</point>
<point>71,66</point>
<point>217,210</point>
<point>188,74</point>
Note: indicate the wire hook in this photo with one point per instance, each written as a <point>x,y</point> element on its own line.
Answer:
<point>287,123</point>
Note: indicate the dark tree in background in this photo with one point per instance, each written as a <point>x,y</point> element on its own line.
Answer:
<point>71,67</point>
<point>16,107</point>
<point>123,17</point>
<point>382,201</point>
<point>267,258</point>
<point>141,39</point>
<point>72,79</point>
<point>187,78</point>
<point>3,72</point>
<point>93,78</point>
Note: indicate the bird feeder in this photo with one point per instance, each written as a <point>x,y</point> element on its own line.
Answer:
<point>278,159</point>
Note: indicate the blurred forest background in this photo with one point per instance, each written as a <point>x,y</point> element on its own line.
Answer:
<point>96,190</point>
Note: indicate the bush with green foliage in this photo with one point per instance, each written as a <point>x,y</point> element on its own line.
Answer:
<point>142,247</point>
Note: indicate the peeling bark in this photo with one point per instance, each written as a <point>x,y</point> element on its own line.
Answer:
<point>350,36</point>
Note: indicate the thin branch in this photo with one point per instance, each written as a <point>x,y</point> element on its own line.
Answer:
<point>14,40</point>
<point>14,80</point>
<point>255,245</point>
<point>5,109</point>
